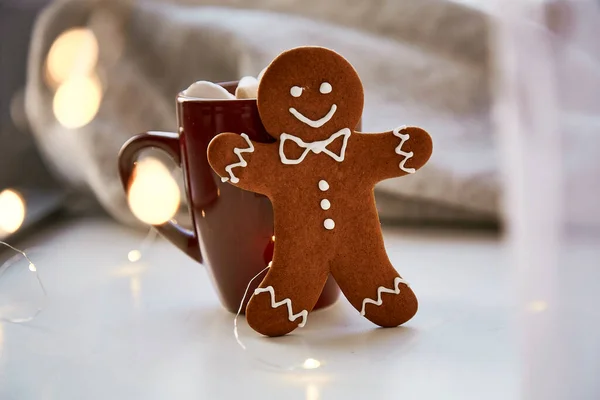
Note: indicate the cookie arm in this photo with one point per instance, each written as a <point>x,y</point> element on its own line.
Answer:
<point>240,161</point>
<point>393,154</point>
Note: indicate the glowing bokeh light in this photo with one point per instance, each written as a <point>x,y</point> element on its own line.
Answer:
<point>32,267</point>
<point>135,285</point>
<point>154,195</point>
<point>12,211</point>
<point>312,392</point>
<point>537,306</point>
<point>134,255</point>
<point>77,100</point>
<point>311,363</point>
<point>73,53</point>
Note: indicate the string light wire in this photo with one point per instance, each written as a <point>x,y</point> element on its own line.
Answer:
<point>33,269</point>
<point>235,327</point>
<point>309,363</point>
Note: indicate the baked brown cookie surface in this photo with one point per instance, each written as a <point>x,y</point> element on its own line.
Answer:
<point>320,176</point>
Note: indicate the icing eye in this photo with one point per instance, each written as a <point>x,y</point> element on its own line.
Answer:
<point>325,88</point>
<point>296,91</point>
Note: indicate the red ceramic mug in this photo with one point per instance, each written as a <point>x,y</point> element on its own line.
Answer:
<point>232,228</point>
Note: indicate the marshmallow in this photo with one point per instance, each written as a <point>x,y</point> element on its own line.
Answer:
<point>247,88</point>
<point>207,90</point>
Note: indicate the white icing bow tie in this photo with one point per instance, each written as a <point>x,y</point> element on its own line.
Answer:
<point>317,147</point>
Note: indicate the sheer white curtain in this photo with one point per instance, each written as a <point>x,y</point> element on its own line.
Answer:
<point>548,120</point>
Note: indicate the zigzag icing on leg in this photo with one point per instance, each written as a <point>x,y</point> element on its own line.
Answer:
<point>380,291</point>
<point>242,163</point>
<point>403,137</point>
<point>292,317</point>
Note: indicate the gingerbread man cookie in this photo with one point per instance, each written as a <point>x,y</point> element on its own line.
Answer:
<point>320,176</point>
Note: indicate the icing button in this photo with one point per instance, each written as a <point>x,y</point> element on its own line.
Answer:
<point>329,224</point>
<point>323,185</point>
<point>325,204</point>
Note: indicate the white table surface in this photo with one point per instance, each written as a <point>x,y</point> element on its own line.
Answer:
<point>112,329</point>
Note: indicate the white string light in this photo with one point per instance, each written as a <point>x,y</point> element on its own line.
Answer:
<point>309,363</point>
<point>33,269</point>
<point>235,329</point>
<point>136,254</point>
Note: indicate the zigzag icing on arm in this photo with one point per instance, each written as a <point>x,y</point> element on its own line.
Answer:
<point>242,163</point>
<point>380,291</point>
<point>403,137</point>
<point>292,317</point>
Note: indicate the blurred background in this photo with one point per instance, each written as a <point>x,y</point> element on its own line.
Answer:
<point>84,76</point>
<point>510,92</point>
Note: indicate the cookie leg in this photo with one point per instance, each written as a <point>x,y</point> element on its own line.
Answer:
<point>288,293</point>
<point>374,287</point>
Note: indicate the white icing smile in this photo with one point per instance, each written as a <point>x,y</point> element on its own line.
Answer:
<point>312,123</point>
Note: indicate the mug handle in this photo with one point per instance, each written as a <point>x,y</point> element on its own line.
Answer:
<point>184,239</point>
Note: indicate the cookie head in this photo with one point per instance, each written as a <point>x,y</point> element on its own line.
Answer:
<point>310,92</point>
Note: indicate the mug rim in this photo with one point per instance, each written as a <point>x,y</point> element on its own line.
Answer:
<point>182,98</point>
<point>187,99</point>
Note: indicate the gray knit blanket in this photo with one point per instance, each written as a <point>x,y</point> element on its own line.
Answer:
<point>422,62</point>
